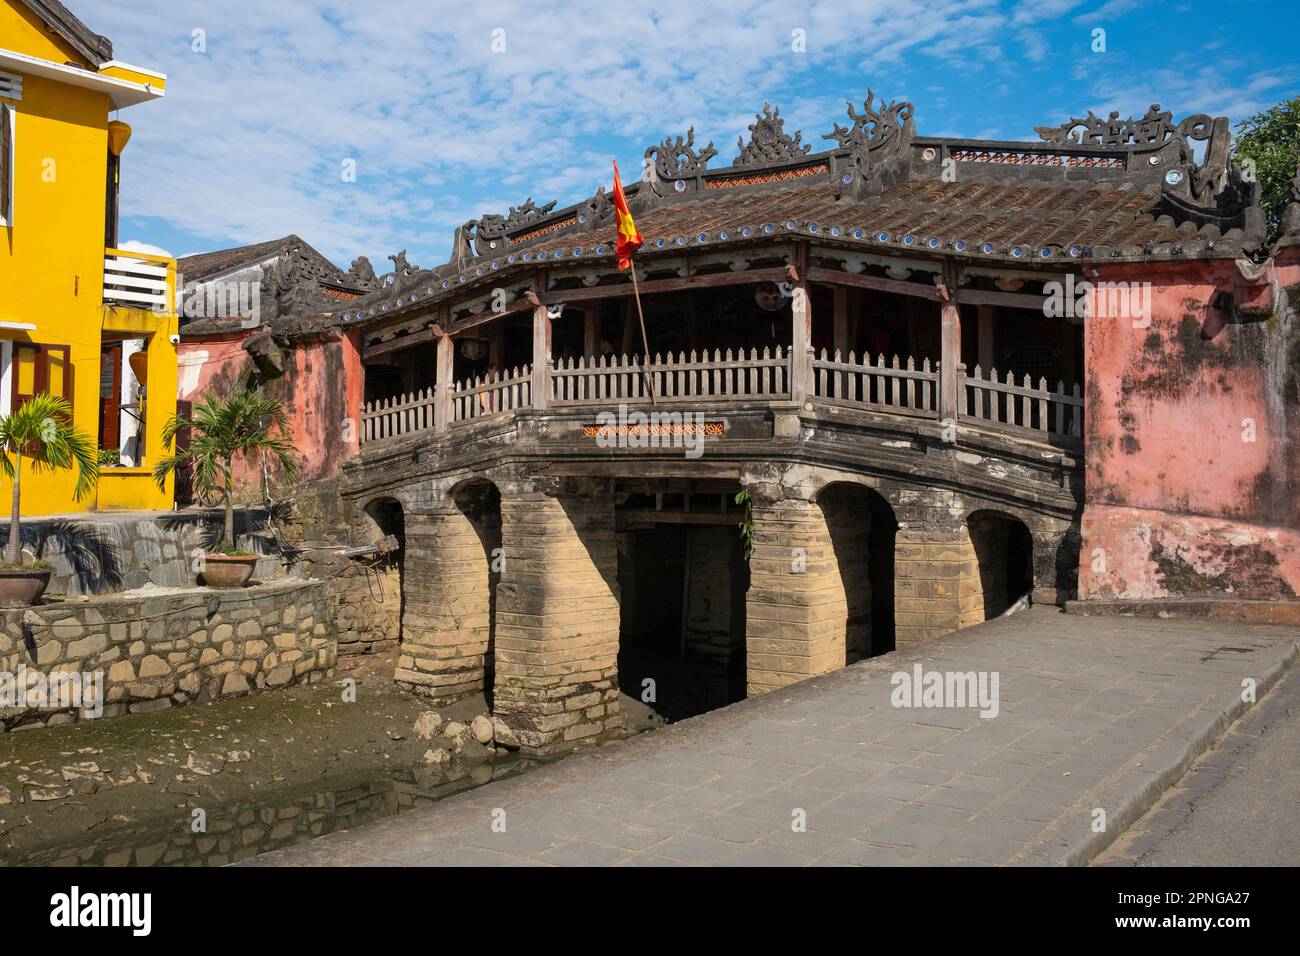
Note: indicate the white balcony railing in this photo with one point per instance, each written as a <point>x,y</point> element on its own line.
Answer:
<point>1037,412</point>
<point>135,280</point>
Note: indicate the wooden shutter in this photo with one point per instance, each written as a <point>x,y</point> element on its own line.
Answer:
<point>6,162</point>
<point>39,368</point>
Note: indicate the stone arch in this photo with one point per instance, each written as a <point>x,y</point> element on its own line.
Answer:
<point>385,517</point>
<point>1004,550</point>
<point>862,528</point>
<point>369,610</point>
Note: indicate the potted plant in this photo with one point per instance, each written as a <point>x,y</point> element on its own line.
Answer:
<point>221,430</point>
<point>39,432</point>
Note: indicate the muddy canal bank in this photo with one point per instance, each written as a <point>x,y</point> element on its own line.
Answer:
<point>212,784</point>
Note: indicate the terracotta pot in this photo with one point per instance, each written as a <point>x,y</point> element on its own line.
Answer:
<point>18,588</point>
<point>227,571</point>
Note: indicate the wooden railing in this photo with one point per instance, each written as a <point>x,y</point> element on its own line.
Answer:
<point>892,387</point>
<point>391,417</point>
<point>895,386</point>
<point>726,375</point>
<point>484,397</point>
<point>1004,404</point>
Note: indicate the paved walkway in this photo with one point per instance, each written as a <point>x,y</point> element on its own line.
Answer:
<point>1094,713</point>
<point>1236,805</point>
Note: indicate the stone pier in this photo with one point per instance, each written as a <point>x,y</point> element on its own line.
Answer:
<point>796,608</point>
<point>558,614</point>
<point>447,623</point>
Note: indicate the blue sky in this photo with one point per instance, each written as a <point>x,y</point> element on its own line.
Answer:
<point>451,110</point>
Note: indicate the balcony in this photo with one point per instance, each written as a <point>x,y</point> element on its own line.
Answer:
<point>1030,411</point>
<point>138,280</point>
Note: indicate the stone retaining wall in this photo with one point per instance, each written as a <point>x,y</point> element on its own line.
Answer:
<point>171,647</point>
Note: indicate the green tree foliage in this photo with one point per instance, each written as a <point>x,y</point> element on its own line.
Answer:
<point>1272,140</point>
<point>41,432</point>
<point>223,429</point>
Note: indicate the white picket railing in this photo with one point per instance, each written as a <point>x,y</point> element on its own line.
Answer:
<point>893,387</point>
<point>136,281</point>
<point>727,374</point>
<point>484,397</point>
<point>1004,404</point>
<point>391,417</point>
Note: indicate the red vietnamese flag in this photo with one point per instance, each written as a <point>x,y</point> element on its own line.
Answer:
<point>629,240</point>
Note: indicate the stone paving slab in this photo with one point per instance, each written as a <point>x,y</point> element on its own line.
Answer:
<point>1094,713</point>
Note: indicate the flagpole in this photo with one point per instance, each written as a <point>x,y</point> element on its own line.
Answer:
<point>636,294</point>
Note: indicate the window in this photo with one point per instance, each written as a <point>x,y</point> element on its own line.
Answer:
<point>39,368</point>
<point>6,165</point>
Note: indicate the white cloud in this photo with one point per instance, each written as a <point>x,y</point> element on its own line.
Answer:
<point>132,245</point>
<point>248,143</point>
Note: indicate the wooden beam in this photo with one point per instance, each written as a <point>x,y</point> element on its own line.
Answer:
<point>1008,300</point>
<point>877,283</point>
<point>680,517</point>
<point>402,342</point>
<point>652,286</point>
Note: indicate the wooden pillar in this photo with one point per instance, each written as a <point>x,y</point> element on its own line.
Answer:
<point>629,327</point>
<point>841,316</point>
<point>591,331</point>
<point>950,345</point>
<point>496,336</point>
<point>442,382</point>
<point>987,354</point>
<point>541,378</point>
<point>801,331</point>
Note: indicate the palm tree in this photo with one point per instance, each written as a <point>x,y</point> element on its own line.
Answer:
<point>224,429</point>
<point>41,431</point>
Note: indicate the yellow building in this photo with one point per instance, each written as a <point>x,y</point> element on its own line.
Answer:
<point>78,317</point>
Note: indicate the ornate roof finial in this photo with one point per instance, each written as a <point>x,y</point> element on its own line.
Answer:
<point>872,127</point>
<point>768,142</point>
<point>677,158</point>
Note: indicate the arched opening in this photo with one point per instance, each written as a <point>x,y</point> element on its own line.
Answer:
<point>375,605</point>
<point>479,502</point>
<point>862,529</point>
<point>683,579</point>
<point>1004,549</point>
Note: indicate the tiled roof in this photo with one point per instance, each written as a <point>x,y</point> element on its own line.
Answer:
<point>203,266</point>
<point>95,48</point>
<point>1094,218</point>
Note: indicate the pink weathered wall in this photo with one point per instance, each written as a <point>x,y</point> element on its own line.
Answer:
<point>321,388</point>
<point>1192,432</point>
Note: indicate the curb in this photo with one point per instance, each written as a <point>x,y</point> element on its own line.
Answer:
<point>1139,788</point>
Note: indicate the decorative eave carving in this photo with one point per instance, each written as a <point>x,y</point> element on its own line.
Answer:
<point>292,284</point>
<point>361,276</point>
<point>677,165</point>
<point>872,153</point>
<point>769,144</point>
<point>873,128</point>
<point>490,233</point>
<point>1213,188</point>
<point>1153,129</point>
